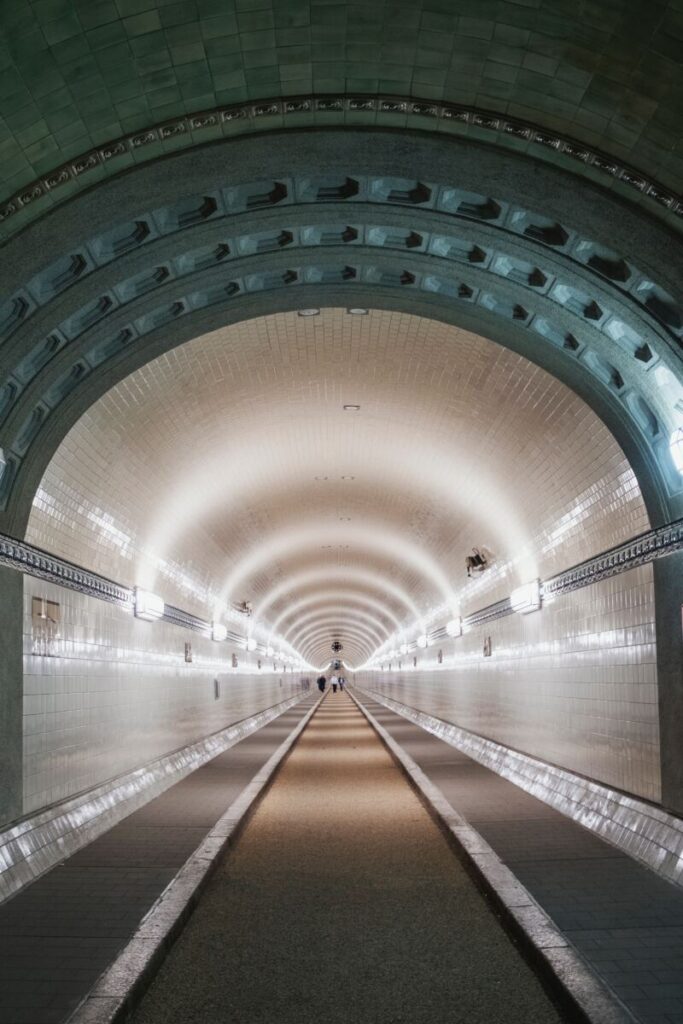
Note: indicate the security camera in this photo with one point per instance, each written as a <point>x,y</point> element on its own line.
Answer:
<point>478,561</point>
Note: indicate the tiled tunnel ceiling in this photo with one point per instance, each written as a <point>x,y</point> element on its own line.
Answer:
<point>260,485</point>
<point>229,470</point>
<point>75,76</point>
<point>454,231</point>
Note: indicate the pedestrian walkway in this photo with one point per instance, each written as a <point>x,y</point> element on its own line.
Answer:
<point>59,934</point>
<point>624,919</point>
<point>342,902</point>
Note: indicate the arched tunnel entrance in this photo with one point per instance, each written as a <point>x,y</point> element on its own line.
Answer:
<point>365,382</point>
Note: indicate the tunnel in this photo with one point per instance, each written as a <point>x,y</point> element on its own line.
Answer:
<point>341,511</point>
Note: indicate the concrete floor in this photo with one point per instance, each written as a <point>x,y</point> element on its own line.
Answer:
<point>342,902</point>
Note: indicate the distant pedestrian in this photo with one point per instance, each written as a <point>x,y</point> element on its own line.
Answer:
<point>335,682</point>
<point>321,683</point>
<point>342,684</point>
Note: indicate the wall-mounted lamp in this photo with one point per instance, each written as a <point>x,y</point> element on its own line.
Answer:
<point>454,627</point>
<point>527,598</point>
<point>422,640</point>
<point>251,643</point>
<point>148,606</point>
<point>404,648</point>
<point>676,448</point>
<point>269,651</point>
<point>219,631</point>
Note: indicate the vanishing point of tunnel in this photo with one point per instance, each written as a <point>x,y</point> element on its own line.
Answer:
<point>341,512</point>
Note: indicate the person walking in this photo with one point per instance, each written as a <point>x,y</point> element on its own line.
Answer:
<point>342,684</point>
<point>334,682</point>
<point>321,683</point>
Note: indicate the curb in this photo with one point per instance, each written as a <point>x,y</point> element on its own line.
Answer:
<point>644,831</point>
<point>36,844</point>
<point>120,988</point>
<point>557,960</point>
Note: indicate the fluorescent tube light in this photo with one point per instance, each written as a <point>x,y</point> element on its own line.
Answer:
<point>527,598</point>
<point>148,606</point>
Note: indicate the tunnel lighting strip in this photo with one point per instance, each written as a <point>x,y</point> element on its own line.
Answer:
<point>646,547</point>
<point>427,115</point>
<point>526,598</point>
<point>148,606</point>
<point>640,550</point>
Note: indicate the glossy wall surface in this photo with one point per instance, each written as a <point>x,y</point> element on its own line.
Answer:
<point>574,684</point>
<point>459,443</point>
<point>115,693</point>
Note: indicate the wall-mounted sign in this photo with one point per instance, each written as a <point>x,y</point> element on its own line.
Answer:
<point>188,651</point>
<point>45,619</point>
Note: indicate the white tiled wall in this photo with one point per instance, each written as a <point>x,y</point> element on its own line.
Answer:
<point>251,481</point>
<point>574,684</point>
<point>459,443</point>
<point>118,693</point>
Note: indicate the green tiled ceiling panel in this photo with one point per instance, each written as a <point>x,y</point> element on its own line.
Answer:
<point>76,74</point>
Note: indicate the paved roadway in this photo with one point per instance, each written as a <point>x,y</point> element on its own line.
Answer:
<point>625,920</point>
<point>61,932</point>
<point>342,902</point>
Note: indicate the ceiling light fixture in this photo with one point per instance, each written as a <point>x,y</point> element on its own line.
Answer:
<point>308,312</point>
<point>422,640</point>
<point>251,644</point>
<point>219,631</point>
<point>357,311</point>
<point>454,627</point>
<point>351,408</point>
